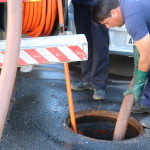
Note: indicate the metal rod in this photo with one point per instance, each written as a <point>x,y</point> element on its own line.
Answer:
<point>9,68</point>
<point>61,16</point>
<point>70,100</point>
<point>66,68</point>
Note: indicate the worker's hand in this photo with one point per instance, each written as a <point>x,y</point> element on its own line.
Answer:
<point>136,90</point>
<point>138,86</point>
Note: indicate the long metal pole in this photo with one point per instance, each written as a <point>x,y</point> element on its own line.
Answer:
<point>70,99</point>
<point>66,69</point>
<point>9,68</point>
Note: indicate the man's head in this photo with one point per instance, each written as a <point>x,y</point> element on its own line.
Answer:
<point>107,12</point>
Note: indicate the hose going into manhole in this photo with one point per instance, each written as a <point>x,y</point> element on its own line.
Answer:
<point>124,114</point>
<point>9,67</point>
<point>39,17</point>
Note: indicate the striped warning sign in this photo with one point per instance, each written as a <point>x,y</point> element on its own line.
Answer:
<point>46,50</point>
<point>49,55</point>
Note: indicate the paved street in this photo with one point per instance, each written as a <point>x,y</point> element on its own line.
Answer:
<point>37,118</point>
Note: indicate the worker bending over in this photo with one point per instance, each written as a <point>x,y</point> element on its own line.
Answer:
<point>135,15</point>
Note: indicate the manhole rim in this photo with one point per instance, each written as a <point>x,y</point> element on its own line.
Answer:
<point>99,113</point>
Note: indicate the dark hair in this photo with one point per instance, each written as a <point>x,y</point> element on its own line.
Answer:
<point>101,9</point>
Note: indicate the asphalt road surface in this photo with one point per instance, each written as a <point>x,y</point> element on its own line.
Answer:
<point>38,115</point>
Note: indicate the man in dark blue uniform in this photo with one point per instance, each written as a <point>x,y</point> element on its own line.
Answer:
<point>95,69</point>
<point>135,15</point>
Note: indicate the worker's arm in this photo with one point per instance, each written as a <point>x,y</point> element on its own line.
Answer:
<point>140,73</point>
<point>143,47</point>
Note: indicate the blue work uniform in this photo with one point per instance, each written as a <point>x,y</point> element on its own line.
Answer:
<point>95,69</point>
<point>137,22</point>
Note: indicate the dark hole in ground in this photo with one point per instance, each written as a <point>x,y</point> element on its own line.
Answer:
<point>102,127</point>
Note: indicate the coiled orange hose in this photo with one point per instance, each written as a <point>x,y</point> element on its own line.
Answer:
<point>39,17</point>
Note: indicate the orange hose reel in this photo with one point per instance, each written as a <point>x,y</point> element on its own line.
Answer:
<point>38,17</point>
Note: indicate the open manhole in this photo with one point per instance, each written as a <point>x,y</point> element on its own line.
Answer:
<point>101,124</point>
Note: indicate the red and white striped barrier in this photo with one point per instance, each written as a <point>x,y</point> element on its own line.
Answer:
<point>52,49</point>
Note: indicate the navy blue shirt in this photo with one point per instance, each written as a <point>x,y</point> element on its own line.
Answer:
<point>84,2</point>
<point>136,14</point>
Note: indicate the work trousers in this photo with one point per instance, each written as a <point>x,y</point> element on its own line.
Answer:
<point>146,94</point>
<point>95,69</point>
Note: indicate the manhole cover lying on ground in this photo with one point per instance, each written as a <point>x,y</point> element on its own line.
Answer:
<point>101,124</point>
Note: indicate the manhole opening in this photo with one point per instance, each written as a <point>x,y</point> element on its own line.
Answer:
<point>101,124</point>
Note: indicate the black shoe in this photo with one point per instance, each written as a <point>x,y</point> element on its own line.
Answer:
<point>81,86</point>
<point>99,94</point>
<point>140,108</point>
